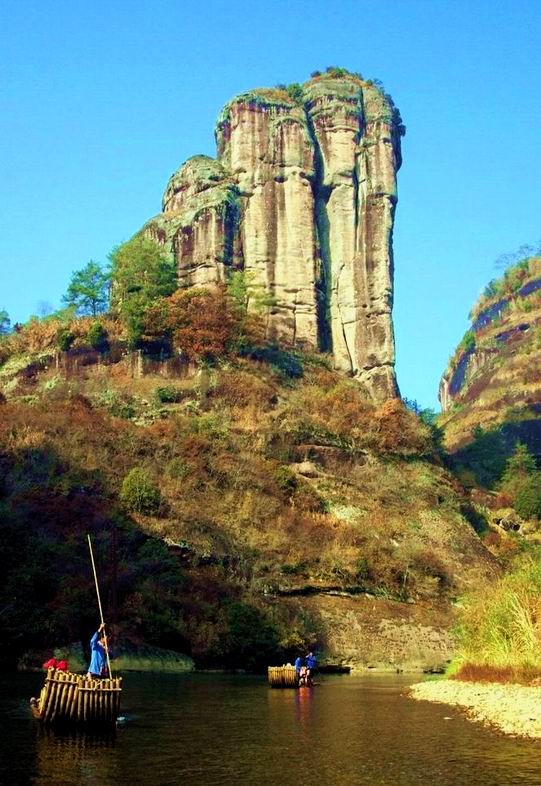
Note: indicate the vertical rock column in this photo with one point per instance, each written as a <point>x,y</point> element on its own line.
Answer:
<point>378,161</point>
<point>334,112</point>
<point>263,140</point>
<point>352,128</point>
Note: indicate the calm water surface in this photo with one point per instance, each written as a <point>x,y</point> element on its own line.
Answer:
<point>202,730</point>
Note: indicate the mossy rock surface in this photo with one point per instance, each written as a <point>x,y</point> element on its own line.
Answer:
<point>346,87</point>
<point>266,98</point>
<point>198,173</point>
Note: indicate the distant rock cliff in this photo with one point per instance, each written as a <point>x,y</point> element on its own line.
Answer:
<point>494,377</point>
<point>302,197</point>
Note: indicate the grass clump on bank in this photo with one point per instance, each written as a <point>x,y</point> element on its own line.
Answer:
<point>499,631</point>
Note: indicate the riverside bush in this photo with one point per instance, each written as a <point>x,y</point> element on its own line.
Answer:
<point>139,493</point>
<point>499,624</point>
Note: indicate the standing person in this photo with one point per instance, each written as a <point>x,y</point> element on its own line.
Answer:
<point>98,654</point>
<point>299,665</point>
<point>311,665</point>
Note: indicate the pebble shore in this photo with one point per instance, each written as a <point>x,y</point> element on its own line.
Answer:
<point>513,709</point>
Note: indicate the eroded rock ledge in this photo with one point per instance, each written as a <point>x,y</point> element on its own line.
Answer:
<point>302,197</point>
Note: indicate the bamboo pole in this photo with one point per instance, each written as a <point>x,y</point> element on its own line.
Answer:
<point>64,692</point>
<point>44,696</point>
<point>96,703</point>
<point>108,707</point>
<point>57,696</point>
<point>48,700</point>
<point>74,697</point>
<point>91,693</point>
<point>80,704</point>
<point>85,701</point>
<point>118,693</point>
<point>53,701</point>
<point>93,696</point>
<point>99,602</point>
<point>68,694</point>
<point>99,703</point>
<point>102,697</point>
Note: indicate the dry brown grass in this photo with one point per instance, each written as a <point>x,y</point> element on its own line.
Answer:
<point>473,672</point>
<point>219,478</point>
<point>40,335</point>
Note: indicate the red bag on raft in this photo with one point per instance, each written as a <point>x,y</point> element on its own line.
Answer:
<point>59,665</point>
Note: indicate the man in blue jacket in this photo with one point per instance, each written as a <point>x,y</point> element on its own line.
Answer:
<point>311,664</point>
<point>98,654</point>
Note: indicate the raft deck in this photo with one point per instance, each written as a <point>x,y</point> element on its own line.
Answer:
<point>77,699</point>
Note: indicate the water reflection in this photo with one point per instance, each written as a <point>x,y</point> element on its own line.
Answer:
<point>74,756</point>
<point>303,702</point>
<point>200,730</point>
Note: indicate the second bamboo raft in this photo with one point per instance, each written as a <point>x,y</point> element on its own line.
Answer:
<point>283,676</point>
<point>78,699</point>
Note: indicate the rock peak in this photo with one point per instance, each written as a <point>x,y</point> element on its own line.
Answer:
<point>302,197</point>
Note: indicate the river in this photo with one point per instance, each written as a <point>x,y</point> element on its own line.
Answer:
<point>205,730</point>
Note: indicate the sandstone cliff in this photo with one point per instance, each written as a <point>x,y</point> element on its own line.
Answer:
<point>302,198</point>
<point>494,378</point>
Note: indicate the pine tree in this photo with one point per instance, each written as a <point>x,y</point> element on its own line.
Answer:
<point>5,322</point>
<point>141,273</point>
<point>519,468</point>
<point>88,290</point>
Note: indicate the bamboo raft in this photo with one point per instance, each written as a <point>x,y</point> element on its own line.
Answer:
<point>78,699</point>
<point>283,676</point>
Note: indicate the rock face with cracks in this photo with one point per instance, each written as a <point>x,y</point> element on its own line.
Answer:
<point>302,198</point>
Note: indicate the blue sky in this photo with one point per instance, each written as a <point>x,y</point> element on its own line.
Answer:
<point>101,102</point>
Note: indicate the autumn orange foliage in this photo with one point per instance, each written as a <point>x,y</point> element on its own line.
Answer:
<point>203,323</point>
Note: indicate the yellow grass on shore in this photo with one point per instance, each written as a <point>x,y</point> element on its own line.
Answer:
<point>513,709</point>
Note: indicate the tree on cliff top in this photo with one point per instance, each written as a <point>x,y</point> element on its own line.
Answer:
<point>141,272</point>
<point>88,290</point>
<point>5,322</point>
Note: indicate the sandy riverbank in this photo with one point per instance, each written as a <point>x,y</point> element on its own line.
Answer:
<point>513,709</point>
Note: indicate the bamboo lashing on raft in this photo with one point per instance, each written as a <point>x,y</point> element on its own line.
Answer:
<point>79,699</point>
<point>283,676</point>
